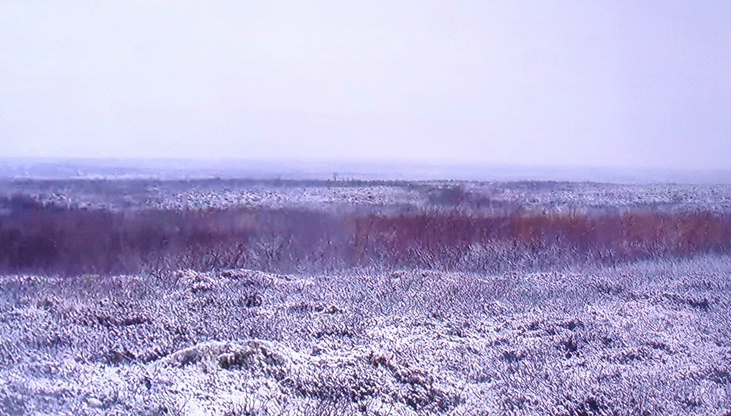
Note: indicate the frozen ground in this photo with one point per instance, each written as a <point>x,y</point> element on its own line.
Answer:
<point>645,338</point>
<point>475,196</point>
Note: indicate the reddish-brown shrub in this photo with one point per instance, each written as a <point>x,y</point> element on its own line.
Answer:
<point>50,239</point>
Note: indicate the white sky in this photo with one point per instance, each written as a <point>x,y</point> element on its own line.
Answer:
<point>554,83</point>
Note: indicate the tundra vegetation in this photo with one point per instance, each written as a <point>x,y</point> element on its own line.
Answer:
<point>235,297</point>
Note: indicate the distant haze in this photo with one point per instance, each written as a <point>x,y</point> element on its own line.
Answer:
<point>615,84</point>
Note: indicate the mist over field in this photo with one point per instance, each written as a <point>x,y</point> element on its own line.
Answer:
<point>100,168</point>
<point>555,84</point>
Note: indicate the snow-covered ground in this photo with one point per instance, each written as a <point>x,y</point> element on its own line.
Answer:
<point>501,333</point>
<point>645,338</point>
<point>477,196</point>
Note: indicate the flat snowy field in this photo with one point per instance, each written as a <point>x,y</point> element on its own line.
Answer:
<point>652,337</point>
<point>273,194</point>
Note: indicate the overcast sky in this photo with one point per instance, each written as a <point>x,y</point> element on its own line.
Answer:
<point>551,83</point>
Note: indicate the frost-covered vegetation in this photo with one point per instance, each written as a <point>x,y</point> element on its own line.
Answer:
<point>450,299</point>
<point>486,196</point>
<point>648,338</point>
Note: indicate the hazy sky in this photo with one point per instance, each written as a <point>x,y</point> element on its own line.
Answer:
<point>562,83</point>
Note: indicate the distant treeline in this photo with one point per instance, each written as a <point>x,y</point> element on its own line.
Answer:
<point>38,238</point>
